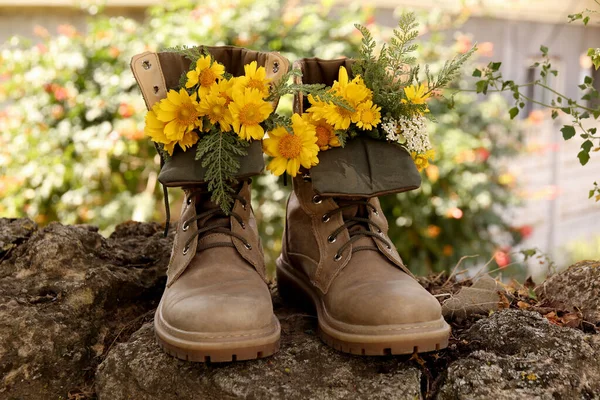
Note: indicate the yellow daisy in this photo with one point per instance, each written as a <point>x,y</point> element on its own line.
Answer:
<point>368,115</point>
<point>326,137</point>
<point>214,107</point>
<point>180,112</point>
<point>155,128</point>
<point>248,110</point>
<point>291,151</point>
<point>224,87</point>
<point>422,160</point>
<point>416,94</point>
<point>205,74</point>
<point>254,77</point>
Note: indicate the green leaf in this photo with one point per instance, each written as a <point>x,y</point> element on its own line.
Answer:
<point>495,66</point>
<point>586,20</point>
<point>477,73</point>
<point>591,194</point>
<point>588,80</point>
<point>513,112</point>
<point>568,131</point>
<point>554,114</point>
<point>219,153</point>
<point>544,50</point>
<point>584,157</point>
<point>587,145</point>
<point>482,86</point>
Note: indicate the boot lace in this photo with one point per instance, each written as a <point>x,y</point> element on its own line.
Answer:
<point>358,225</point>
<point>214,220</point>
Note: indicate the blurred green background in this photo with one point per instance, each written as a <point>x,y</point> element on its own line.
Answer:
<point>72,147</point>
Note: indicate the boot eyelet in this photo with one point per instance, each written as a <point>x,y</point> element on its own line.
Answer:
<point>248,246</point>
<point>185,227</point>
<point>379,231</point>
<point>337,257</point>
<point>331,239</point>
<point>243,225</point>
<point>325,218</point>
<point>189,201</point>
<point>186,249</point>
<point>244,206</point>
<point>388,246</point>
<point>375,212</point>
<point>275,67</point>
<point>317,199</point>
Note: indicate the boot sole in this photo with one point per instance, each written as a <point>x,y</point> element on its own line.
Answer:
<point>415,338</point>
<point>218,348</point>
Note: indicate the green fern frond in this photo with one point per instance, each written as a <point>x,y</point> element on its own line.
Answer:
<point>219,153</point>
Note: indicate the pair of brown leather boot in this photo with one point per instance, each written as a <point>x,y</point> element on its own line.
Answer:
<point>336,255</point>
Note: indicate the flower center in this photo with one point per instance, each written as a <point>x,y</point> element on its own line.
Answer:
<point>256,84</point>
<point>187,114</point>
<point>290,146</point>
<point>322,136</point>
<point>249,114</point>
<point>207,77</point>
<point>367,117</point>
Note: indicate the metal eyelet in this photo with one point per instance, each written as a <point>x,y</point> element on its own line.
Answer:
<point>243,225</point>
<point>317,199</point>
<point>337,257</point>
<point>186,249</point>
<point>248,246</point>
<point>146,64</point>
<point>185,227</point>
<point>243,206</point>
<point>325,218</point>
<point>379,231</point>
<point>375,212</point>
<point>331,239</point>
<point>189,201</point>
<point>306,177</point>
<point>388,246</point>
<point>275,67</point>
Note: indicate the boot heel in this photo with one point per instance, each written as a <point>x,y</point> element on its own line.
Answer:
<point>291,290</point>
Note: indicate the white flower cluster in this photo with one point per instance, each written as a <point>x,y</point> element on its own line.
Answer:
<point>409,132</point>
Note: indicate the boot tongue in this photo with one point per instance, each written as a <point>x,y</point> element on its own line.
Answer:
<point>203,204</point>
<point>356,211</point>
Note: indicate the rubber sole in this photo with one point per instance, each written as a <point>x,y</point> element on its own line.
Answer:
<point>361,340</point>
<point>224,348</point>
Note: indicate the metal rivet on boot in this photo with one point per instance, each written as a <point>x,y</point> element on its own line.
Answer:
<point>317,199</point>
<point>185,226</point>
<point>185,250</point>
<point>189,201</point>
<point>337,257</point>
<point>325,218</point>
<point>248,246</point>
<point>331,239</point>
<point>275,67</point>
<point>146,64</point>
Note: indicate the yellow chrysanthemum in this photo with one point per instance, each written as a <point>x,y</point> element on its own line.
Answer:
<point>290,151</point>
<point>155,128</point>
<point>214,107</point>
<point>354,92</point>
<point>248,110</point>
<point>254,77</point>
<point>422,160</point>
<point>416,94</point>
<point>224,87</point>
<point>326,137</point>
<point>180,112</point>
<point>205,74</point>
<point>368,115</point>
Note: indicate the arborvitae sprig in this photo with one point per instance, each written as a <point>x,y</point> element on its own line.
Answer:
<point>219,153</point>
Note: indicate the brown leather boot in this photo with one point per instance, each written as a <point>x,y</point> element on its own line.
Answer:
<point>217,305</point>
<point>336,253</point>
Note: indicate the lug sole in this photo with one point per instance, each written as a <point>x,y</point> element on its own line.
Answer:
<point>294,289</point>
<point>218,351</point>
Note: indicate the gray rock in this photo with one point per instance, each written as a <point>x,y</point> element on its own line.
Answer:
<point>304,368</point>
<point>66,293</point>
<point>518,354</point>
<point>576,287</point>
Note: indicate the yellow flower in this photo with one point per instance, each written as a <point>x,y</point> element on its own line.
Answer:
<point>368,115</point>
<point>180,112</point>
<point>326,137</point>
<point>214,106</point>
<point>155,128</point>
<point>254,77</point>
<point>290,151</point>
<point>422,160</point>
<point>416,94</point>
<point>248,110</point>
<point>204,74</point>
<point>224,87</point>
